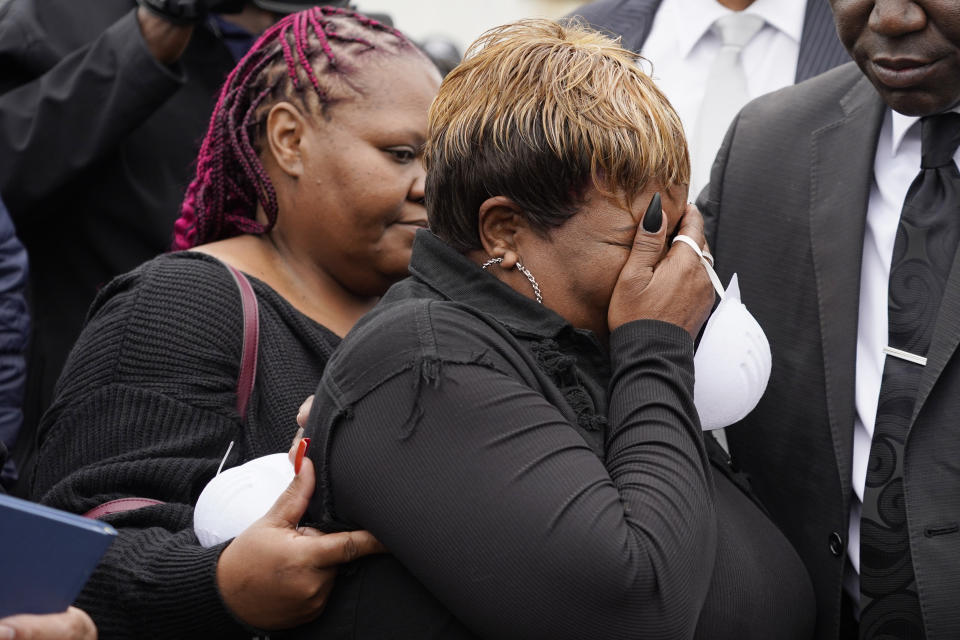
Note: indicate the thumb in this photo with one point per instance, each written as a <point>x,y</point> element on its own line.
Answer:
<point>289,508</point>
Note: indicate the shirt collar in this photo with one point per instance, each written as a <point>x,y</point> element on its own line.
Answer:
<point>459,279</point>
<point>691,20</point>
<point>901,124</point>
<point>785,17</point>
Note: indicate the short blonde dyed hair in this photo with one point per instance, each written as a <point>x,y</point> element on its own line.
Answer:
<point>539,111</point>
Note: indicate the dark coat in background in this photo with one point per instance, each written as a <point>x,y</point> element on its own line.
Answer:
<point>97,145</point>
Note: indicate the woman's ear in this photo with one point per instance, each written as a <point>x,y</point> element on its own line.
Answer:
<point>285,131</point>
<point>500,218</point>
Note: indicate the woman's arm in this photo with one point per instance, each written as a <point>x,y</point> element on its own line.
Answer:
<point>146,407</point>
<point>495,502</point>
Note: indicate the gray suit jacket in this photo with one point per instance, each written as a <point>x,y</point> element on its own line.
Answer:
<point>786,209</point>
<point>820,49</point>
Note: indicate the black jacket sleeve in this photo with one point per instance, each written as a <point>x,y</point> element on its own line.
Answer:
<point>62,110</point>
<point>494,501</point>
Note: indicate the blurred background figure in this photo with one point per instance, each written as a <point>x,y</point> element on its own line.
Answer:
<point>443,51</point>
<point>102,107</point>
<point>712,56</point>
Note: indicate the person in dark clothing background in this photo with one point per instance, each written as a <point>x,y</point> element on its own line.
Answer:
<point>14,334</point>
<point>102,108</point>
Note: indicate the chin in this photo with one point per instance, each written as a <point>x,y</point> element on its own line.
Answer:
<point>917,102</point>
<point>397,270</point>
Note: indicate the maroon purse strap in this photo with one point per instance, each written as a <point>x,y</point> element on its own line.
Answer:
<point>251,338</point>
<point>248,374</point>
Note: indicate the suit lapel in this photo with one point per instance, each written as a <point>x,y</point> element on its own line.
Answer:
<point>840,189</point>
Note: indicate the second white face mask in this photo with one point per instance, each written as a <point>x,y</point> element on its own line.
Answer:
<point>238,497</point>
<point>732,363</point>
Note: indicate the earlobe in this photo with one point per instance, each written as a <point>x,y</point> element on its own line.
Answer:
<point>285,131</point>
<point>500,218</point>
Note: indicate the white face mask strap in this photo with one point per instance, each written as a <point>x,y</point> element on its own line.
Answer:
<point>707,263</point>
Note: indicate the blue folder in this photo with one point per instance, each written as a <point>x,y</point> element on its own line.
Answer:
<point>46,555</point>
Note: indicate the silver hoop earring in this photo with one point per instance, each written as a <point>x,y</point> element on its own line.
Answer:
<point>533,281</point>
<point>522,269</point>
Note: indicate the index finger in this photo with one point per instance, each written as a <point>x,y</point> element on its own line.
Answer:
<point>691,225</point>
<point>331,549</point>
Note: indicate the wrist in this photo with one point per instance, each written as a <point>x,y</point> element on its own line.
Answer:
<point>165,40</point>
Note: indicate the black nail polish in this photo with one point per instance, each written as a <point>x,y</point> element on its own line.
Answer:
<point>653,218</point>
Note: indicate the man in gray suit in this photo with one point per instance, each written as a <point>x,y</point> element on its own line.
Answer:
<point>813,202</point>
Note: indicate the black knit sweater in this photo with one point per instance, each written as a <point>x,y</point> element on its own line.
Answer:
<point>146,407</point>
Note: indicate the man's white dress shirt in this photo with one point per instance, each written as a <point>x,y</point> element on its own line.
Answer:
<point>681,48</point>
<point>896,164</point>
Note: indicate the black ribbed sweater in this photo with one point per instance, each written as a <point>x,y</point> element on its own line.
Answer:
<point>146,407</point>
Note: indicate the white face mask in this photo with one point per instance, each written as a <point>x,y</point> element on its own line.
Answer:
<point>238,497</point>
<point>732,363</point>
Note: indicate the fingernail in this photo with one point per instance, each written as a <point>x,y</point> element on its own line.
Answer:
<point>298,434</point>
<point>653,218</point>
<point>7,633</point>
<point>301,451</point>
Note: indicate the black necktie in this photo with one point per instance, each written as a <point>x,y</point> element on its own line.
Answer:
<point>923,254</point>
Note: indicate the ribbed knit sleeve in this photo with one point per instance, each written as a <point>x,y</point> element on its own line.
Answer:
<point>487,493</point>
<point>146,408</point>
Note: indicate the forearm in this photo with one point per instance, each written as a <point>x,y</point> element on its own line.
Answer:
<point>156,579</point>
<point>656,458</point>
<point>156,583</point>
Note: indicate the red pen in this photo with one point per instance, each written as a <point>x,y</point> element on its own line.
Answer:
<point>301,451</point>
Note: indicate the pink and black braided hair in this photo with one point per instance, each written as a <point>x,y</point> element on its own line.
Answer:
<point>289,58</point>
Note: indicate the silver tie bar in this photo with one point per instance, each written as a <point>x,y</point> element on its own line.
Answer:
<point>905,355</point>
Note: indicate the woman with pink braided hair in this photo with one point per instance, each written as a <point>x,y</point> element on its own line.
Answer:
<point>310,182</point>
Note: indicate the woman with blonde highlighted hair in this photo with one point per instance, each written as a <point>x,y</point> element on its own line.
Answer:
<point>515,421</point>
